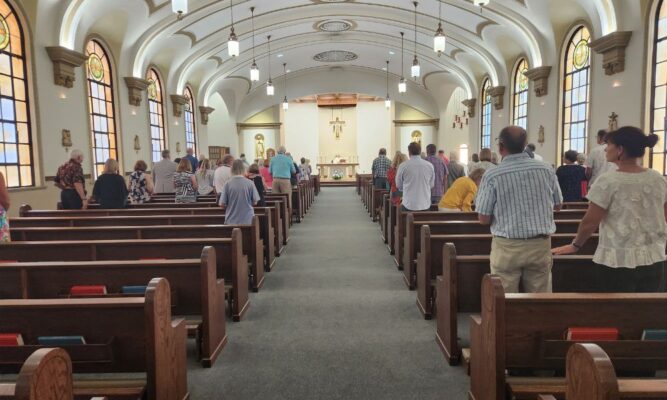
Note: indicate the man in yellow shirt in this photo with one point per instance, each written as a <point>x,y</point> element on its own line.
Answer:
<point>461,194</point>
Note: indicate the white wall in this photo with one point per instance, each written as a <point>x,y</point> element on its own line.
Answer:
<point>373,132</point>
<point>301,123</point>
<point>221,129</point>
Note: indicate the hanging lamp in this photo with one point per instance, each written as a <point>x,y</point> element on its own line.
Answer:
<point>416,69</point>
<point>481,3</point>
<point>439,40</point>
<point>233,47</point>
<point>402,86</point>
<point>179,7</point>
<point>387,100</point>
<point>269,84</point>
<point>285,102</point>
<point>254,70</point>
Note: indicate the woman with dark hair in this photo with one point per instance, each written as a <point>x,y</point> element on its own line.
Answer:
<point>140,185</point>
<point>570,176</point>
<point>258,180</point>
<point>628,205</point>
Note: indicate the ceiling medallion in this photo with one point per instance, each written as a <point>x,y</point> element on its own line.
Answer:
<point>335,56</point>
<point>333,25</point>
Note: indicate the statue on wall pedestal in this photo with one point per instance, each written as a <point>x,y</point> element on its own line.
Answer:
<point>66,139</point>
<point>613,122</point>
<point>137,145</point>
<point>259,146</point>
<point>540,135</point>
<point>416,137</point>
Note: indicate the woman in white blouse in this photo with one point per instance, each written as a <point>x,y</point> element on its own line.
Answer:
<point>629,206</point>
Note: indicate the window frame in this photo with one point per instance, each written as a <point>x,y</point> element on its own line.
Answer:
<point>26,84</point>
<point>98,165</point>
<point>565,125</point>
<point>517,93</point>
<point>156,154</point>
<point>192,124</point>
<point>655,40</point>
<point>486,114</point>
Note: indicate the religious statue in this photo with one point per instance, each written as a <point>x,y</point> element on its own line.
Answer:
<point>336,159</point>
<point>337,127</point>
<point>416,137</point>
<point>540,135</point>
<point>613,122</point>
<point>137,145</point>
<point>259,146</point>
<point>66,139</point>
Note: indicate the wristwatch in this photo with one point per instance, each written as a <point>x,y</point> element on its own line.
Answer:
<point>576,246</point>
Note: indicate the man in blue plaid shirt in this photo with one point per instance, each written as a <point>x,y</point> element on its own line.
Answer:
<point>380,167</point>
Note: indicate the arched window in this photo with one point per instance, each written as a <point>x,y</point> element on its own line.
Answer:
<point>16,153</point>
<point>101,106</point>
<point>485,141</point>
<point>520,95</point>
<point>659,84</point>
<point>156,113</point>
<point>576,86</point>
<point>190,131</point>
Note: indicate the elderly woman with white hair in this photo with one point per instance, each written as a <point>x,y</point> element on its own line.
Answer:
<point>238,196</point>
<point>110,189</point>
<point>456,170</point>
<point>71,181</point>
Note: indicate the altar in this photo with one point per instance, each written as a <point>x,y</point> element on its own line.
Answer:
<point>338,172</point>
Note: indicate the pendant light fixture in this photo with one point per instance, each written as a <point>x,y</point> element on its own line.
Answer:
<point>439,40</point>
<point>387,100</point>
<point>269,84</point>
<point>481,3</point>
<point>179,7</point>
<point>416,69</point>
<point>402,86</point>
<point>254,70</point>
<point>285,103</point>
<point>233,47</point>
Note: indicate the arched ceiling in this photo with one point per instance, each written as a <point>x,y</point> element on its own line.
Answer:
<point>194,48</point>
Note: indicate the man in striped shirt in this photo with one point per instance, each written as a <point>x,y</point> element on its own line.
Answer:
<point>518,198</point>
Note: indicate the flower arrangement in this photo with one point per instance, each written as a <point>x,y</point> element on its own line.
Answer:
<point>337,176</point>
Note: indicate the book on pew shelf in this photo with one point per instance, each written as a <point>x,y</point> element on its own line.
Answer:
<point>87,290</point>
<point>133,289</point>
<point>60,340</point>
<point>11,339</point>
<point>654,334</point>
<point>597,334</point>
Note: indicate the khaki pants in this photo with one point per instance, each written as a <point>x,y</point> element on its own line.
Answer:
<point>281,185</point>
<point>522,260</point>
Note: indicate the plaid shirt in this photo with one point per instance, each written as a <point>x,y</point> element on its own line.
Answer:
<point>380,167</point>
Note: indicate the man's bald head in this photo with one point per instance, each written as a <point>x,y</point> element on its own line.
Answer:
<point>513,139</point>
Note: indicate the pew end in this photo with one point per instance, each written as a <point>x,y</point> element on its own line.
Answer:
<point>45,375</point>
<point>590,374</point>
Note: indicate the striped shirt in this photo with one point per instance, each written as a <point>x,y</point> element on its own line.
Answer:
<point>520,195</point>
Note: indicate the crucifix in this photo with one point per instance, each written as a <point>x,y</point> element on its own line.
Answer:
<point>337,127</point>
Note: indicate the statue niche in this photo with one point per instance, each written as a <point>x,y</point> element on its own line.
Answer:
<point>416,137</point>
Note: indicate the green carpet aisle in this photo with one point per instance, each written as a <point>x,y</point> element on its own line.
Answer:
<point>333,321</point>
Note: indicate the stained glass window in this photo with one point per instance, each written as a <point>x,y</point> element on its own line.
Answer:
<point>520,95</point>
<point>659,92</point>
<point>486,115</point>
<point>576,87</point>
<point>190,132</point>
<point>156,113</point>
<point>101,106</point>
<point>16,153</point>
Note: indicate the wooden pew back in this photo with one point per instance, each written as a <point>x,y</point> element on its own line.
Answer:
<point>527,330</point>
<point>45,375</point>
<point>122,336</point>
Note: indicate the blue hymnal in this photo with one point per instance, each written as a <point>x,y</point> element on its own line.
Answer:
<point>60,340</point>
<point>654,334</point>
<point>133,289</point>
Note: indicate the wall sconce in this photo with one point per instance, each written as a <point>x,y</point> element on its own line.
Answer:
<point>137,144</point>
<point>133,111</point>
<point>617,84</point>
<point>63,95</point>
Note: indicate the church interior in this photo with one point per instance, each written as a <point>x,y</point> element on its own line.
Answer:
<point>334,290</point>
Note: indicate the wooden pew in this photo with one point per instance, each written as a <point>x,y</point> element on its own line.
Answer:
<point>376,202</point>
<point>317,184</point>
<point>196,291</point>
<point>412,241</point>
<point>591,376</point>
<point>458,290</point>
<point>399,234</point>
<point>45,375</point>
<point>231,264</point>
<point>253,245</point>
<point>123,335</point>
<point>269,219</point>
<point>286,210</point>
<point>360,179</point>
<point>525,331</point>
<point>391,228</point>
<point>385,206</point>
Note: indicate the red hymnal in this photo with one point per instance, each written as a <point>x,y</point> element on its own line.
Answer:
<point>87,290</point>
<point>595,334</point>
<point>11,339</point>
